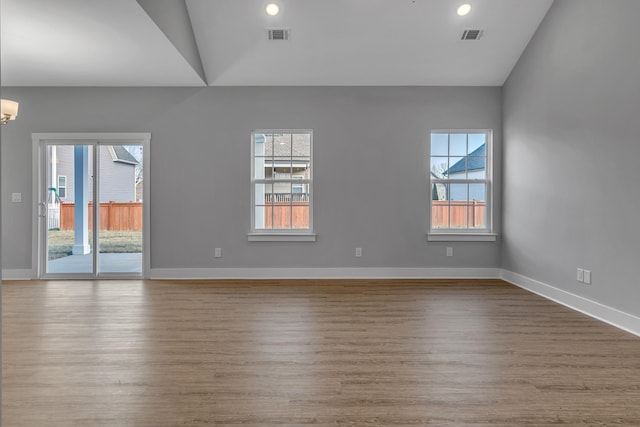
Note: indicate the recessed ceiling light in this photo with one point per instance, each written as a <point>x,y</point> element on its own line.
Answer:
<point>464,9</point>
<point>272,9</point>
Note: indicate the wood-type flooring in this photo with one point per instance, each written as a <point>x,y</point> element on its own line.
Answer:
<point>463,353</point>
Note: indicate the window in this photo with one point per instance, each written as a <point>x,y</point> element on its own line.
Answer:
<point>281,180</point>
<point>298,187</point>
<point>62,186</point>
<point>460,196</point>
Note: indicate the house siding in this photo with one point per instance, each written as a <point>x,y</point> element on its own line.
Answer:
<point>117,179</point>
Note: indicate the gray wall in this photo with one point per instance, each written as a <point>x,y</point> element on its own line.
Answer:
<point>571,129</point>
<point>370,168</point>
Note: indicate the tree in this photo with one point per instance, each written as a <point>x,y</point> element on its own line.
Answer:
<point>136,151</point>
<point>439,169</point>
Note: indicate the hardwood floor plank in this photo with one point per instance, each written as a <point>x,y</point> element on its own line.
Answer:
<point>309,352</point>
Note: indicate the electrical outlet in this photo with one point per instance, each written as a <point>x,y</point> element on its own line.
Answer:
<point>580,275</point>
<point>358,252</point>
<point>449,251</point>
<point>16,197</point>
<point>218,253</point>
<point>587,277</point>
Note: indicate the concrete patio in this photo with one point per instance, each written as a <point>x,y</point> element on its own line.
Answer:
<point>107,263</point>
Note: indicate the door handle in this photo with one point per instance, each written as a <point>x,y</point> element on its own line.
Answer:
<point>42,209</point>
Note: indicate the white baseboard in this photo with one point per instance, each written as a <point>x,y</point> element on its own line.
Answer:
<point>324,273</point>
<point>612,316</point>
<point>17,274</point>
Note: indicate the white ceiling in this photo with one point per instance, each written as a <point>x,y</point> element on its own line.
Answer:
<point>333,42</point>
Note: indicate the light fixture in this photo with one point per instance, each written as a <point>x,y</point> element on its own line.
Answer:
<point>8,110</point>
<point>464,9</point>
<point>272,9</point>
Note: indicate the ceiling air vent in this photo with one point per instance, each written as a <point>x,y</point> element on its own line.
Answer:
<point>278,34</point>
<point>471,35</point>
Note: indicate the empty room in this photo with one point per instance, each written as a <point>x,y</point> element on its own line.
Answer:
<point>329,213</point>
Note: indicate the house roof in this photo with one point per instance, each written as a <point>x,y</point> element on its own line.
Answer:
<point>301,146</point>
<point>475,161</point>
<point>122,155</point>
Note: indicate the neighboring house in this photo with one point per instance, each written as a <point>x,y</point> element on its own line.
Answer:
<point>117,174</point>
<point>470,167</point>
<point>438,190</point>
<point>286,159</point>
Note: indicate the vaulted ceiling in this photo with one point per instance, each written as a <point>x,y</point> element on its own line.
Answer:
<point>225,43</point>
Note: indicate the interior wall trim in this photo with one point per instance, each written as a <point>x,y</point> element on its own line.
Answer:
<point>619,319</point>
<point>325,273</point>
<point>17,274</point>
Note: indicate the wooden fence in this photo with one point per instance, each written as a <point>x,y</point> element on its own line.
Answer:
<point>461,214</point>
<point>282,214</point>
<point>113,216</point>
<point>287,215</point>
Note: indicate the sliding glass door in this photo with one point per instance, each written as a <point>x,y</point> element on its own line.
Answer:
<point>91,209</point>
<point>120,211</point>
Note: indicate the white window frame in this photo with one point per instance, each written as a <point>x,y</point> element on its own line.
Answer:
<point>281,234</point>
<point>464,234</point>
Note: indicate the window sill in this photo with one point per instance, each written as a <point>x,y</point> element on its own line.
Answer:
<point>281,237</point>
<point>462,237</point>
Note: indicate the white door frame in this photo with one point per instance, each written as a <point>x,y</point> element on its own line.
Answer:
<point>95,139</point>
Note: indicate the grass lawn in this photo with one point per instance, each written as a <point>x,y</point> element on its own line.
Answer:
<point>61,242</point>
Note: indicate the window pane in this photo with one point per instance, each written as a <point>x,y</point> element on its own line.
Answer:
<point>476,140</point>
<point>298,187</point>
<point>300,219</point>
<point>66,239</point>
<point>301,144</point>
<point>477,215</point>
<point>457,168</point>
<point>263,194</point>
<point>440,214</point>
<point>439,166</point>
<point>439,191</point>
<point>262,168</point>
<point>262,217</point>
<point>282,168</point>
<point>478,192</point>
<point>282,190</point>
<point>282,215</point>
<point>262,144</point>
<point>458,144</point>
<point>459,192</point>
<point>439,144</point>
<point>305,196</point>
<point>282,145</point>
<point>458,215</point>
<point>301,168</point>
<point>476,167</point>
